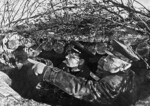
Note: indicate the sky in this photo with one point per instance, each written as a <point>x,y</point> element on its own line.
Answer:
<point>146,3</point>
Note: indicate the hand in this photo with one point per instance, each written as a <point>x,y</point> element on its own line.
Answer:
<point>38,68</point>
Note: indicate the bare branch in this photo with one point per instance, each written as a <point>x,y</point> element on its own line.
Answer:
<point>17,10</point>
<point>142,5</point>
<point>146,26</point>
<point>128,9</point>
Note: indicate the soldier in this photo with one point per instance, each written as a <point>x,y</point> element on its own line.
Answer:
<point>115,78</point>
<point>117,81</point>
<point>75,65</point>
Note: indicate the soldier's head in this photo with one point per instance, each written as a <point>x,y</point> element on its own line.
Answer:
<point>20,56</point>
<point>112,64</point>
<point>59,47</point>
<point>73,60</point>
<point>143,49</point>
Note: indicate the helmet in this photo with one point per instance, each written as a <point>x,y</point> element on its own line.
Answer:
<point>113,64</point>
<point>72,60</point>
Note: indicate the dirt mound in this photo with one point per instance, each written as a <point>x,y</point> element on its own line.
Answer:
<point>9,97</point>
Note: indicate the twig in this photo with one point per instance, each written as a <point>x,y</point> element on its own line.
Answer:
<point>147,27</point>
<point>128,9</point>
<point>17,11</point>
<point>142,5</point>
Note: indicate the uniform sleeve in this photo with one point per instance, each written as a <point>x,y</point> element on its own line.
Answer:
<point>102,91</point>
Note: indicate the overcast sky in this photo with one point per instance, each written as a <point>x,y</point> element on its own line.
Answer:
<point>145,2</point>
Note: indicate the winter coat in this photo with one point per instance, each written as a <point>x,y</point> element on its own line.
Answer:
<point>104,91</point>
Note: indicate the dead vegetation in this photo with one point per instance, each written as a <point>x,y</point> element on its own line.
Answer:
<point>79,20</point>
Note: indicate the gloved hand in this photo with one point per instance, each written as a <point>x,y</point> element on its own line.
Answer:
<point>39,69</point>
